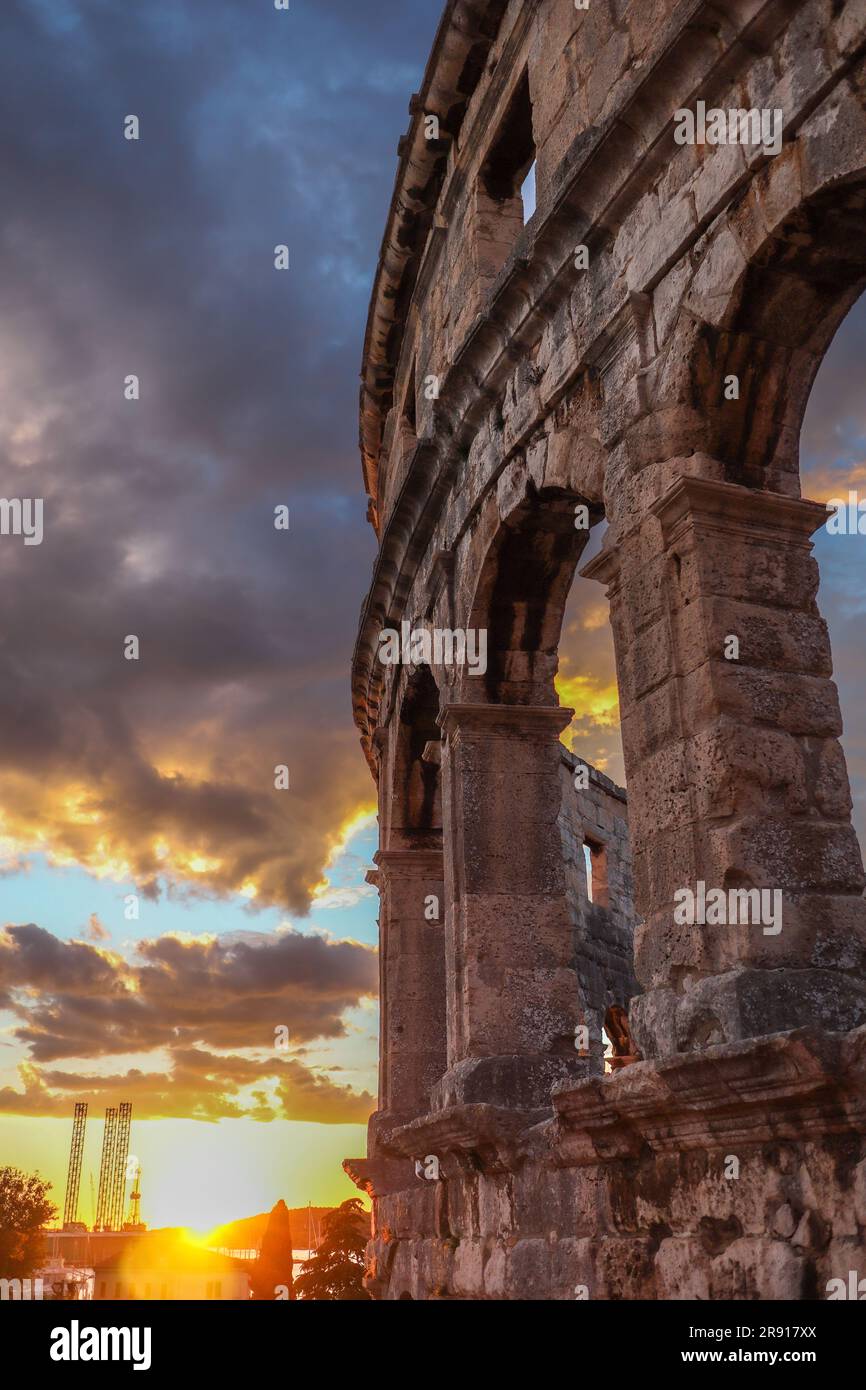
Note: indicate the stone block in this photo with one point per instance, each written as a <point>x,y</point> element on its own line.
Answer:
<point>757,1268</point>
<point>681,1270</point>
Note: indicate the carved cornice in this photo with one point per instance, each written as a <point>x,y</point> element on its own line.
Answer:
<point>712,504</point>
<point>426,863</point>
<point>792,1086</point>
<point>506,721</point>
<point>466,1137</point>
<point>359,1171</point>
<point>786,1086</point>
<point>708,504</point>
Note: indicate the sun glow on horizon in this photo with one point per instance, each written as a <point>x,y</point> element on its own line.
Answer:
<point>199,1176</point>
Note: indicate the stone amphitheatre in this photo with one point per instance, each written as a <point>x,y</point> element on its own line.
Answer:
<point>640,350</point>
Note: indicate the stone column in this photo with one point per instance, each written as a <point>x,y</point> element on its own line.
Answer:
<point>736,779</point>
<point>511,984</point>
<point>412,982</point>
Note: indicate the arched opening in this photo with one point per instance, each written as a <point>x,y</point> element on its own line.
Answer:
<point>621,1049</point>
<point>832,468</point>
<point>521,594</point>
<point>737,783</point>
<point>586,676</point>
<point>411,894</point>
<point>791,298</point>
<point>416,803</point>
<point>563,826</point>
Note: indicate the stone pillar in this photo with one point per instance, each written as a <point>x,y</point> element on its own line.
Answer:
<point>412,982</point>
<point>736,779</point>
<point>511,984</point>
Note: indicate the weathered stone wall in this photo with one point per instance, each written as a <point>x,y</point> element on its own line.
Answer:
<point>659,1191</point>
<point>641,350</point>
<point>597,815</point>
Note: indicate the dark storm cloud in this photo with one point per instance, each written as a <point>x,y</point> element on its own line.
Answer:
<point>74,1000</point>
<point>156,258</point>
<point>33,959</point>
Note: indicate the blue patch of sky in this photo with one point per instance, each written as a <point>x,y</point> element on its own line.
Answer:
<point>57,16</point>
<point>62,900</point>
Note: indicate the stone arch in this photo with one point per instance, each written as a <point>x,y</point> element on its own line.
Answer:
<point>409,876</point>
<point>522,586</point>
<point>771,280</point>
<point>532,547</point>
<point>511,804</point>
<point>736,776</point>
<point>788,302</point>
<point>415,793</point>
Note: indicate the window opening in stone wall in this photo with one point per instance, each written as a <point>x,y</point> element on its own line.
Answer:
<point>527,193</point>
<point>409,402</point>
<point>418,813</point>
<point>586,679</point>
<point>608,1051</point>
<point>513,151</point>
<point>595,858</point>
<point>599,874</point>
<point>587,860</point>
<point>506,190</point>
<point>623,1049</point>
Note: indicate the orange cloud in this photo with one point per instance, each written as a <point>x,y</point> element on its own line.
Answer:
<point>186,1002</point>
<point>829,481</point>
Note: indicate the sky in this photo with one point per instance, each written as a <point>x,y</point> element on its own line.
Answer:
<point>164,908</point>
<point>155,777</point>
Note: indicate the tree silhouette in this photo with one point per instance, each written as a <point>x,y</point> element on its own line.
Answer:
<point>24,1210</point>
<point>272,1273</point>
<point>336,1270</point>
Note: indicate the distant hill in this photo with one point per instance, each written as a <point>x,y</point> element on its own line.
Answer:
<point>247,1233</point>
